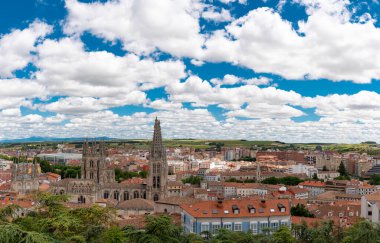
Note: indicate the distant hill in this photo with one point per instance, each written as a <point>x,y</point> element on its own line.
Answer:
<point>49,139</point>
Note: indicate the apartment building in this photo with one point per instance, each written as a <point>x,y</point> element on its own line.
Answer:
<point>236,215</point>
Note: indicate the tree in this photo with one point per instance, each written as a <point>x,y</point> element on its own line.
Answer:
<point>375,179</point>
<point>283,235</point>
<point>193,180</point>
<point>157,229</point>
<point>301,210</point>
<point>362,232</point>
<point>113,235</point>
<point>315,176</point>
<point>342,170</point>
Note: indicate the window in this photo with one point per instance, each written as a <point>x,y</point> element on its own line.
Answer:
<point>158,182</point>
<point>263,226</point>
<point>91,164</point>
<point>237,227</point>
<point>205,227</point>
<point>274,225</point>
<point>81,199</point>
<point>215,227</point>
<point>369,213</point>
<point>253,227</point>
<point>116,195</point>
<point>284,223</point>
<point>91,175</point>
<point>154,182</point>
<point>155,198</point>
<point>227,226</point>
<point>106,194</point>
<point>126,195</point>
<point>351,214</point>
<point>136,194</point>
<point>154,168</point>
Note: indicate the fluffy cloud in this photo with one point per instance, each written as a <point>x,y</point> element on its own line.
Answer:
<point>142,25</point>
<point>230,79</point>
<point>217,16</point>
<point>82,105</point>
<point>201,93</point>
<point>363,106</point>
<point>16,47</point>
<point>327,45</point>
<point>162,104</point>
<point>67,69</point>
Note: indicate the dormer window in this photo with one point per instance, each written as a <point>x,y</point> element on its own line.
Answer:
<point>281,208</point>
<point>251,209</point>
<point>235,209</point>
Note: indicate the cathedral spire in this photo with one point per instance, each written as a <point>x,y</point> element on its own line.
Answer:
<point>157,150</point>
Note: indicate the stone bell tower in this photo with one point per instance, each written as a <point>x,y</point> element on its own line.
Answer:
<point>94,165</point>
<point>158,166</point>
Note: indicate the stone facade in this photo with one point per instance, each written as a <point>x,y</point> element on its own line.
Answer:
<point>25,177</point>
<point>98,180</point>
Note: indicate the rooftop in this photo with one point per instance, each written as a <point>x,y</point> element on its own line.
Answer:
<point>238,208</point>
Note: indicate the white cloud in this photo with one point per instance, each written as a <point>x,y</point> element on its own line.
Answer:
<point>363,106</point>
<point>142,25</point>
<point>201,93</point>
<point>67,69</point>
<point>162,104</point>
<point>16,47</point>
<point>217,16</point>
<point>230,79</point>
<point>82,105</point>
<point>231,1</point>
<point>327,45</point>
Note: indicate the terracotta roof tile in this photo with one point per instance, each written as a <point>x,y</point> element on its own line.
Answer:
<point>212,209</point>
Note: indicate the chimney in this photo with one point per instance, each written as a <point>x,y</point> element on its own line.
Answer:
<point>262,203</point>
<point>220,201</point>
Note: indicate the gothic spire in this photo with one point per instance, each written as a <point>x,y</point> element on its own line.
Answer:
<point>157,150</point>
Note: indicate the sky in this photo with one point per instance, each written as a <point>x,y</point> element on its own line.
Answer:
<point>287,70</point>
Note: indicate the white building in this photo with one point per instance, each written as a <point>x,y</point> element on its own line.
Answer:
<point>309,170</point>
<point>236,215</point>
<point>370,207</point>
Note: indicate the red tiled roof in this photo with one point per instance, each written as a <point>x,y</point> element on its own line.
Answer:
<point>211,209</point>
<point>311,222</point>
<point>313,183</point>
<point>9,200</point>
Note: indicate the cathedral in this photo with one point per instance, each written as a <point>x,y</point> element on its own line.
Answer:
<point>98,180</point>
<point>25,177</point>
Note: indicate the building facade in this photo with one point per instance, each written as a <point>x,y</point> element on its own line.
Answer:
<point>25,177</point>
<point>237,215</point>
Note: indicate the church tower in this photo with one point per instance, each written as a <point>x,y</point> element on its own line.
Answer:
<point>158,167</point>
<point>94,165</point>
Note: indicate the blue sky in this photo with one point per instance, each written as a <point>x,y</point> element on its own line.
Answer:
<point>289,70</point>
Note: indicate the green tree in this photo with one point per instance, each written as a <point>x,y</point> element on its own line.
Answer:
<point>375,179</point>
<point>113,235</point>
<point>157,229</point>
<point>193,180</point>
<point>270,180</point>
<point>283,235</point>
<point>301,210</point>
<point>362,232</point>
<point>342,169</point>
